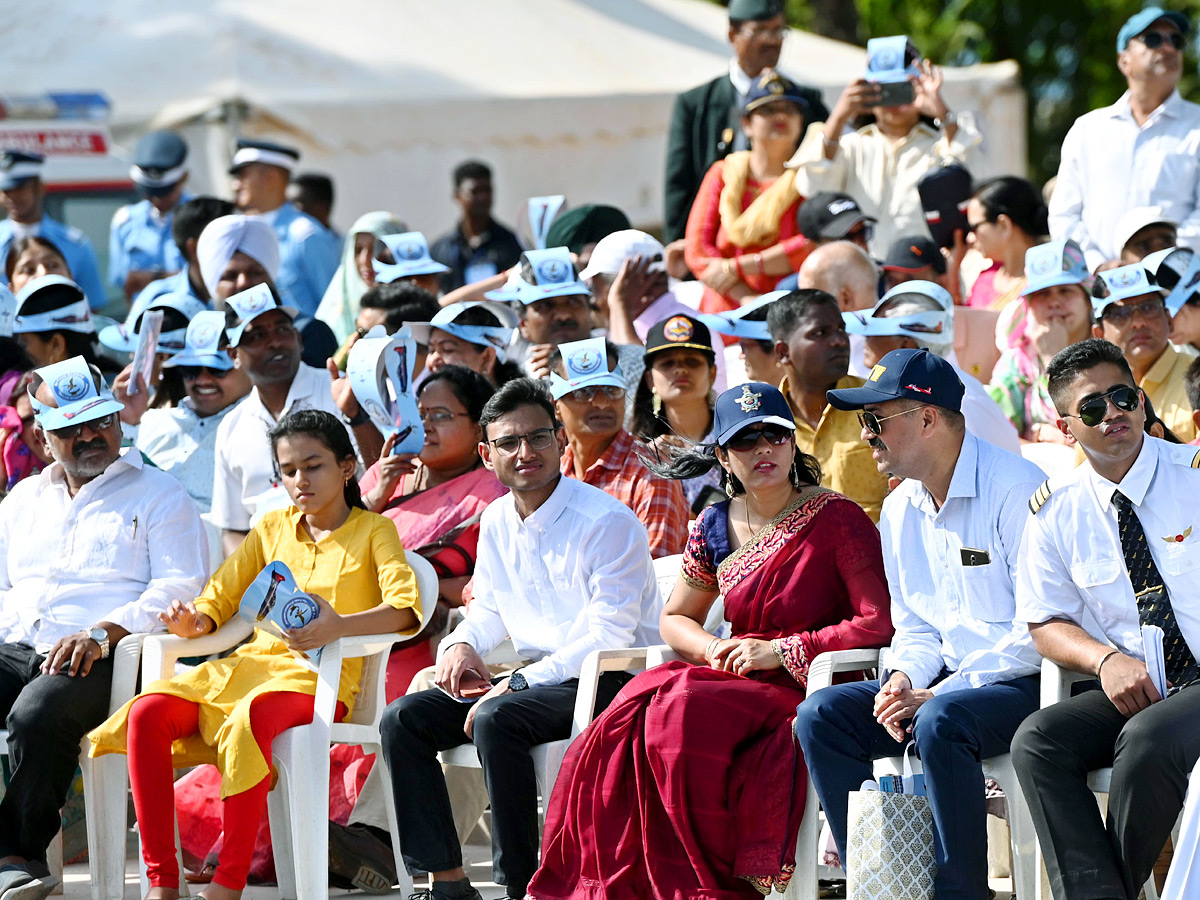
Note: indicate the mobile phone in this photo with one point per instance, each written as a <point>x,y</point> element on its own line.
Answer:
<point>896,93</point>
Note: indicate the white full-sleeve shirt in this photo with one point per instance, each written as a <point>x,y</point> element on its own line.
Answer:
<point>1110,165</point>
<point>573,577</point>
<point>954,610</point>
<point>128,543</point>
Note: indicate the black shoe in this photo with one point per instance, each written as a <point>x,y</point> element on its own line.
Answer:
<point>359,858</point>
<point>463,891</point>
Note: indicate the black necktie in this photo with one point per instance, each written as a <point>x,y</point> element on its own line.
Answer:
<point>1154,606</point>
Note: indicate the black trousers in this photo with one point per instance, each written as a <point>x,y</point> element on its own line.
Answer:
<point>1150,754</point>
<point>415,727</point>
<point>46,717</point>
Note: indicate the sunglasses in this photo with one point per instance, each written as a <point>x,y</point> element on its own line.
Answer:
<point>1092,412</point>
<point>874,424</point>
<point>589,393</point>
<point>1119,314</point>
<point>1154,39</point>
<point>747,440</point>
<point>191,373</point>
<point>70,432</point>
<point>539,439</point>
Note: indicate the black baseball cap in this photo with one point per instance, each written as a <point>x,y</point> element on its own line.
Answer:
<point>912,253</point>
<point>830,216</point>
<point>679,331</point>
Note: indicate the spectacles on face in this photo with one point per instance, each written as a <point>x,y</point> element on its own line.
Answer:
<point>1119,314</point>
<point>1154,39</point>
<point>191,373</point>
<point>864,232</point>
<point>773,34</point>
<point>538,439</point>
<point>873,424</point>
<point>70,432</point>
<point>1092,412</point>
<point>746,440</point>
<point>592,391</point>
<point>440,417</point>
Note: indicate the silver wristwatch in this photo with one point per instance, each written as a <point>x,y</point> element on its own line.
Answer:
<point>100,636</point>
<point>949,118</point>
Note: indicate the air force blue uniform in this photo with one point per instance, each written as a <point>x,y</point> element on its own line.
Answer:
<point>76,250</point>
<point>140,240</point>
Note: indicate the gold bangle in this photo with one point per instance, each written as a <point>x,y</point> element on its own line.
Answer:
<point>725,267</point>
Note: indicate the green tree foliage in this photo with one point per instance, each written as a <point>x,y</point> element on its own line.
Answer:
<point>1066,49</point>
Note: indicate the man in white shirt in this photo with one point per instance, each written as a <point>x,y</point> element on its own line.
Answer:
<point>246,481</point>
<point>92,549</point>
<point>920,314</point>
<point>1144,150</point>
<point>1111,547</point>
<point>563,569</point>
<point>960,674</point>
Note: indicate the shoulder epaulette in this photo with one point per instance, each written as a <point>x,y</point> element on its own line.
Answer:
<point>1040,496</point>
<point>1196,460</point>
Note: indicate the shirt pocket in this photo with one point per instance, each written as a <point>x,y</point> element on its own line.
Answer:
<point>1181,557</point>
<point>115,543</point>
<point>988,595</point>
<point>1096,573</point>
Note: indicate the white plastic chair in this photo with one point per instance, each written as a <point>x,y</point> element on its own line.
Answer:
<point>104,781</point>
<point>298,807</point>
<point>1056,687</point>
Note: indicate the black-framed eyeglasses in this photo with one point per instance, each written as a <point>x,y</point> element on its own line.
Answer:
<point>874,424</point>
<point>538,439</point>
<point>747,439</point>
<point>1154,39</point>
<point>1092,412</point>
<point>191,373</point>
<point>1120,314</point>
<point>70,432</point>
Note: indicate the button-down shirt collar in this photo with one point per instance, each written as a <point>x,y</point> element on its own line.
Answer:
<point>1136,482</point>
<point>741,81</point>
<point>1170,108</point>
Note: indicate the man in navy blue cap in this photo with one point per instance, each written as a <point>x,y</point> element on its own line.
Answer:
<point>309,253</point>
<point>1144,150</point>
<point>706,121</point>
<point>140,246</point>
<point>22,193</point>
<point>959,675</point>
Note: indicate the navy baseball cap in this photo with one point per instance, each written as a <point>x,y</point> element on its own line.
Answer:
<point>772,86</point>
<point>1140,21</point>
<point>748,404</point>
<point>905,375</point>
<point>159,163</point>
<point>17,167</point>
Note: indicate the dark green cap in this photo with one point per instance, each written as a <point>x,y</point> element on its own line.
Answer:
<point>583,225</point>
<point>754,10</point>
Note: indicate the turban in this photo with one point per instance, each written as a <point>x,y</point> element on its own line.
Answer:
<point>226,236</point>
<point>583,225</point>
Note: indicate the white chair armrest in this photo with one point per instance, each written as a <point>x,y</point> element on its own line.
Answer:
<point>368,644</point>
<point>1057,681</point>
<point>659,654</point>
<point>632,659</point>
<point>126,657</point>
<point>822,669</point>
<point>160,652</point>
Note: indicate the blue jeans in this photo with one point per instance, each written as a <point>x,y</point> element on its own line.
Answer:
<point>954,733</point>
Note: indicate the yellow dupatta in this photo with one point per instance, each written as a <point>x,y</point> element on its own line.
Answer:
<point>758,224</point>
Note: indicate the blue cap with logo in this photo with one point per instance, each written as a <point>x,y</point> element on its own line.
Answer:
<point>586,365</point>
<point>1052,264</point>
<point>749,404</point>
<point>159,163</point>
<point>544,274</point>
<point>69,307</point>
<point>1175,270</point>
<point>735,322</point>
<point>77,398</point>
<point>905,375</point>
<point>8,311</point>
<point>1121,284</point>
<point>1140,21</point>
<point>920,310</point>
<point>411,254</point>
<point>19,166</point>
<point>202,343</point>
<point>495,336</point>
<point>248,305</point>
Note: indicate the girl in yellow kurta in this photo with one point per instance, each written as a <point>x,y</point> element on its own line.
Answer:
<point>228,711</point>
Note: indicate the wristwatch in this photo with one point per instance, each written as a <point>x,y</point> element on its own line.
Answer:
<point>517,682</point>
<point>100,636</point>
<point>359,418</point>
<point>949,118</point>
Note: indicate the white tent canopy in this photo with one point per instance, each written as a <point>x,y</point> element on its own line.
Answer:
<point>559,96</point>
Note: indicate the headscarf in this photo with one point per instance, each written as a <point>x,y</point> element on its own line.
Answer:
<point>583,225</point>
<point>226,236</point>
<point>340,306</point>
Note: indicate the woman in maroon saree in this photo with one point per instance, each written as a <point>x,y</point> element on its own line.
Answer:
<point>691,784</point>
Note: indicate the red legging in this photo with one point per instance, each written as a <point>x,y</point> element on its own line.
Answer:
<point>155,722</point>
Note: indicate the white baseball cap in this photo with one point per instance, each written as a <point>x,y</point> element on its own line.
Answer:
<point>611,251</point>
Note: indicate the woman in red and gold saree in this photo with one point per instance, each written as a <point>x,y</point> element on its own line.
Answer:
<point>691,784</point>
